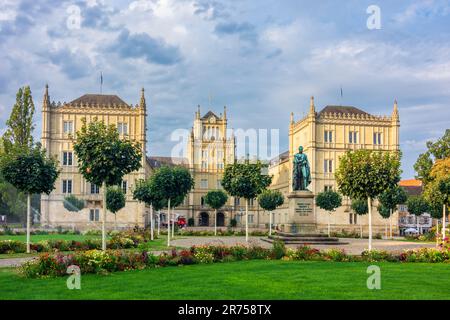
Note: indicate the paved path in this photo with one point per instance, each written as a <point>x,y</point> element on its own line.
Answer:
<point>354,246</point>
<point>13,262</point>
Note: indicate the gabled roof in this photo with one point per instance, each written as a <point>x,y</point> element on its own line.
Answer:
<point>412,187</point>
<point>342,110</point>
<point>100,99</point>
<point>210,114</point>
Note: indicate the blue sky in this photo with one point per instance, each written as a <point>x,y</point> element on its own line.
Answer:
<point>263,59</point>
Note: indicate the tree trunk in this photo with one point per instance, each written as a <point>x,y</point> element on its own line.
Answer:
<point>115,221</point>
<point>246,219</point>
<point>151,222</point>
<point>443,223</point>
<point>28,221</point>
<point>329,218</point>
<point>360,226</point>
<point>270,223</point>
<point>168,223</point>
<point>437,233</point>
<point>215,222</point>
<point>104,218</point>
<point>385,229</point>
<point>369,204</point>
<point>159,222</point>
<point>390,224</point>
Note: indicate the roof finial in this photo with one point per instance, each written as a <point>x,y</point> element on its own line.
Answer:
<point>143,104</point>
<point>46,101</point>
<point>312,109</point>
<point>292,118</point>
<point>225,112</point>
<point>197,114</point>
<point>395,112</point>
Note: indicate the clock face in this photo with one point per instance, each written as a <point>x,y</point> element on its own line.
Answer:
<point>212,120</point>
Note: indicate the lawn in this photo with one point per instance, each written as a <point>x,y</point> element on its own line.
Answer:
<point>55,236</point>
<point>257,279</point>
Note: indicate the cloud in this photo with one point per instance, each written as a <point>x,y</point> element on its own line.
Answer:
<point>142,45</point>
<point>74,64</point>
<point>424,9</point>
<point>244,30</point>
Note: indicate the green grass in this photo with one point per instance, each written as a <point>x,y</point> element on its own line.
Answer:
<point>39,237</point>
<point>243,280</point>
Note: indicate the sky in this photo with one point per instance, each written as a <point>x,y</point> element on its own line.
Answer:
<point>262,59</point>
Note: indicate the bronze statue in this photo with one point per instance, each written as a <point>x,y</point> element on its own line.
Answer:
<point>301,177</point>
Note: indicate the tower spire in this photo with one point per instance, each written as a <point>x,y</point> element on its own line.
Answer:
<point>312,108</point>
<point>143,104</point>
<point>46,101</point>
<point>197,114</point>
<point>292,118</point>
<point>395,111</point>
<point>225,112</point>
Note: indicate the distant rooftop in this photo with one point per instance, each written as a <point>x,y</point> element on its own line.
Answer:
<point>100,99</point>
<point>412,187</point>
<point>342,110</point>
<point>158,162</point>
<point>210,114</point>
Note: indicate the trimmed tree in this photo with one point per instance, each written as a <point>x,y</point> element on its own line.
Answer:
<point>115,200</point>
<point>417,206</point>
<point>104,159</point>
<point>329,201</point>
<point>172,184</point>
<point>245,180</point>
<point>269,200</point>
<point>365,174</point>
<point>389,200</point>
<point>31,172</point>
<point>146,192</point>
<point>216,199</point>
<point>360,208</point>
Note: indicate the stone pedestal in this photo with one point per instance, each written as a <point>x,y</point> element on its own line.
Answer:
<point>301,217</point>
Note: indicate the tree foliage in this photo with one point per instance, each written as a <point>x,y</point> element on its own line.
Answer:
<point>365,173</point>
<point>20,123</point>
<point>216,199</point>
<point>360,207</point>
<point>103,157</point>
<point>390,199</point>
<point>73,204</point>
<point>437,150</point>
<point>172,183</point>
<point>30,171</point>
<point>115,199</point>
<point>245,180</point>
<point>269,200</point>
<point>329,200</point>
<point>417,205</point>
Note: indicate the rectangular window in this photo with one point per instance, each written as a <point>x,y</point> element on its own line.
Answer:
<point>328,166</point>
<point>237,201</point>
<point>328,188</point>
<point>204,184</point>
<point>377,138</point>
<point>122,128</point>
<point>124,186</point>
<point>219,184</point>
<point>328,136</point>
<point>220,165</point>
<point>204,165</point>
<point>353,137</point>
<point>67,186</point>
<point>250,218</point>
<point>68,127</point>
<point>95,189</point>
<point>67,158</point>
<point>94,215</point>
<point>350,218</point>
<point>355,218</point>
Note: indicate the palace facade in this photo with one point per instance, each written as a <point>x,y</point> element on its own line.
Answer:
<point>60,122</point>
<point>325,136</point>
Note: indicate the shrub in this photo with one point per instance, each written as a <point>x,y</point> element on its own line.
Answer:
<point>336,255</point>
<point>233,223</point>
<point>378,256</point>
<point>191,222</point>
<point>12,246</point>
<point>278,249</point>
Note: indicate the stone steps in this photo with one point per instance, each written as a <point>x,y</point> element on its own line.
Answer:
<point>307,239</point>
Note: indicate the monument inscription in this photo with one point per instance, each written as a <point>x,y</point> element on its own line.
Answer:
<point>303,208</point>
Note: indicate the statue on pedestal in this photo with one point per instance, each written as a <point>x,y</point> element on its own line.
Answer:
<point>301,177</point>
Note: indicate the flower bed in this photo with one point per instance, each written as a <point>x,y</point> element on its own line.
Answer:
<point>119,240</point>
<point>99,262</point>
<point>220,233</point>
